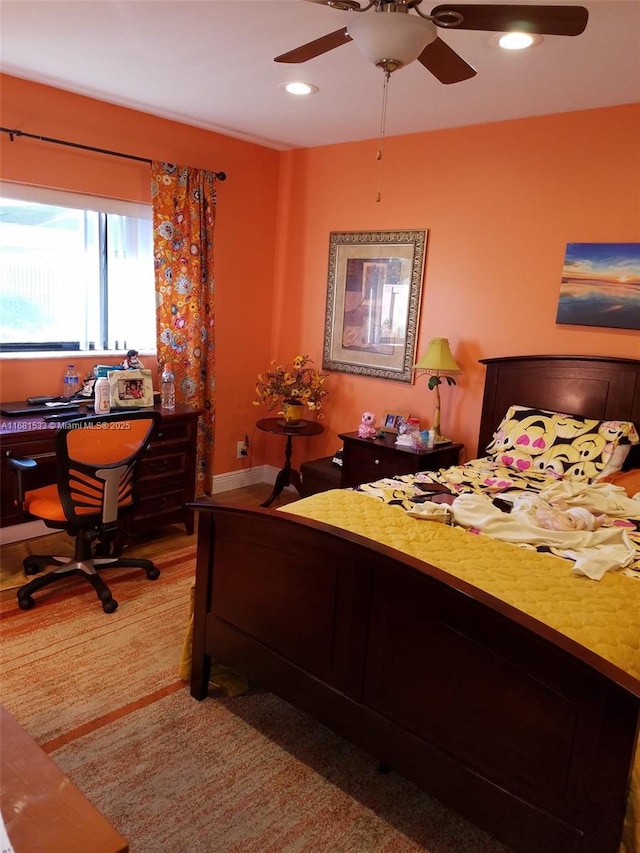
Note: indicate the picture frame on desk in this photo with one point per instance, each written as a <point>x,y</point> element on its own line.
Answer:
<point>392,420</point>
<point>130,388</point>
<point>373,302</point>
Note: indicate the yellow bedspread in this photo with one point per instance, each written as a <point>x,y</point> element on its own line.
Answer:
<point>604,617</point>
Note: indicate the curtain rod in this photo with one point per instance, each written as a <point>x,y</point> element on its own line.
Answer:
<point>221,176</point>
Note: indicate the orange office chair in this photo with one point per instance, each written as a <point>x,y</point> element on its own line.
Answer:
<point>96,462</point>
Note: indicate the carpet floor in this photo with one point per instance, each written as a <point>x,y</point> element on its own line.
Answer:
<point>101,694</point>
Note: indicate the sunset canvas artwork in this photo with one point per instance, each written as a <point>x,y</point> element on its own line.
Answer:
<point>600,285</point>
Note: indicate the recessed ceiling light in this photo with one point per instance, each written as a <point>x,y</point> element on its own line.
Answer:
<point>518,41</point>
<point>300,88</point>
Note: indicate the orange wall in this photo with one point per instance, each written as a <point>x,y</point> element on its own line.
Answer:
<point>499,201</point>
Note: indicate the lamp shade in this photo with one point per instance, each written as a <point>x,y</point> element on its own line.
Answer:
<point>393,37</point>
<point>438,359</point>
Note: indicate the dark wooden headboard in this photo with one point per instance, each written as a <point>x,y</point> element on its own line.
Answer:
<point>591,386</point>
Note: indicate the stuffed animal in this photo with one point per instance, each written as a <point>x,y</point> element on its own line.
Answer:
<point>367,428</point>
<point>132,361</point>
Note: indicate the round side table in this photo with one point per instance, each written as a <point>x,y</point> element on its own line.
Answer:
<point>287,475</point>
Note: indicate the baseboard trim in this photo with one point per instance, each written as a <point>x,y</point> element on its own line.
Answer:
<point>240,479</point>
<point>28,530</point>
<point>251,477</point>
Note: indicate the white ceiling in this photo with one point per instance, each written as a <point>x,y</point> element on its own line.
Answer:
<point>210,63</point>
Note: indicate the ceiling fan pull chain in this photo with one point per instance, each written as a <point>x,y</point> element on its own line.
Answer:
<point>383,121</point>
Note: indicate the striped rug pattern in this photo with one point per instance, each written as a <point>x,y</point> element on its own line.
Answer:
<point>101,694</point>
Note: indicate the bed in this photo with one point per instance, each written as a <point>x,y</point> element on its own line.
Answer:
<point>526,723</point>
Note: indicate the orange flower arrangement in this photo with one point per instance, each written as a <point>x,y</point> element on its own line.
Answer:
<point>299,384</point>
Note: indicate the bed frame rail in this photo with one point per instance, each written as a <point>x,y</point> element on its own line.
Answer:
<point>512,724</point>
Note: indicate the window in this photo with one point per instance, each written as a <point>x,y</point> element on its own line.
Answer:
<point>76,272</point>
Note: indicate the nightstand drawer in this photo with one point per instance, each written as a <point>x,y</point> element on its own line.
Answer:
<point>372,463</point>
<point>365,459</point>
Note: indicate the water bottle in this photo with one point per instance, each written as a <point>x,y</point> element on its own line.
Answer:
<point>71,383</point>
<point>428,438</point>
<point>413,431</point>
<point>168,388</point>
<point>102,391</point>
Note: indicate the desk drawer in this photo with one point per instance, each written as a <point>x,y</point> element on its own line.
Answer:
<point>158,508</point>
<point>170,433</point>
<point>153,466</point>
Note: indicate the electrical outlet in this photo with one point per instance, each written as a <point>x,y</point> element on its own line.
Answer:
<point>241,449</point>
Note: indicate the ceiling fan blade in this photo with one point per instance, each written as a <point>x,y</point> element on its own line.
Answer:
<point>444,63</point>
<point>342,5</point>
<point>546,20</point>
<point>316,47</point>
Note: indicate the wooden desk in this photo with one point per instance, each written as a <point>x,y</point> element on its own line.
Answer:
<point>167,476</point>
<point>288,475</point>
<point>43,810</point>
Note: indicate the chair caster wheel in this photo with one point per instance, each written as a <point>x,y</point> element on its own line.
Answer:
<point>25,602</point>
<point>153,574</point>
<point>110,605</point>
<point>31,567</point>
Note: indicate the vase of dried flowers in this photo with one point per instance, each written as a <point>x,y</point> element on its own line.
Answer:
<point>292,389</point>
<point>292,412</point>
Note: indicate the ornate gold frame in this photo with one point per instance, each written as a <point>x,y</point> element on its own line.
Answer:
<point>373,302</point>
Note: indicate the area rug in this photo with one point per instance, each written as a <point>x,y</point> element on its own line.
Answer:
<point>101,694</point>
<point>66,664</point>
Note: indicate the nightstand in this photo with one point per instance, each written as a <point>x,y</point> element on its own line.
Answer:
<point>365,459</point>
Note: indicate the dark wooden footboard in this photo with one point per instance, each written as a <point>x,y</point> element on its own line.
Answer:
<point>510,723</point>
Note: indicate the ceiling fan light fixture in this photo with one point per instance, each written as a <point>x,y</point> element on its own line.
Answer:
<point>298,88</point>
<point>518,40</point>
<point>391,40</point>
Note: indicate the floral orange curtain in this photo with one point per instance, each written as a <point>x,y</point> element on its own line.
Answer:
<point>184,212</point>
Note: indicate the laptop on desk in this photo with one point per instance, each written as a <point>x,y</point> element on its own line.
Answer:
<point>21,408</point>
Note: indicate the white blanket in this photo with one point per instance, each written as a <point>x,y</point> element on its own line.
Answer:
<point>599,497</point>
<point>593,552</point>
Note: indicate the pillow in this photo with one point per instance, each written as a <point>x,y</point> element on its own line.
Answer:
<point>616,461</point>
<point>561,445</point>
<point>629,480</point>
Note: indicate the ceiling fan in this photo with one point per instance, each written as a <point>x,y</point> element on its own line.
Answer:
<point>391,38</point>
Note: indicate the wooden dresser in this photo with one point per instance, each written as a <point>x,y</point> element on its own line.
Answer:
<point>167,469</point>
